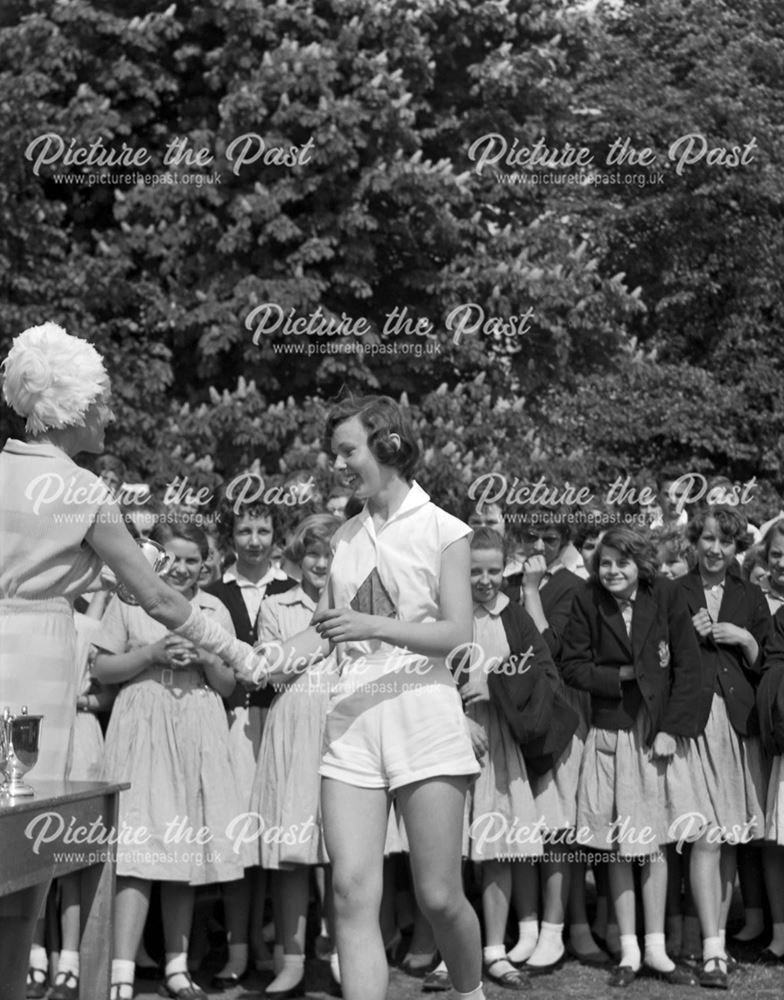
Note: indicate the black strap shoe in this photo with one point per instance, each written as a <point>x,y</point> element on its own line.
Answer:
<point>713,976</point>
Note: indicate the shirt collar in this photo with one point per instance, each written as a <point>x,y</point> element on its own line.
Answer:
<point>494,607</point>
<point>296,596</point>
<point>713,586</point>
<point>413,500</point>
<point>273,573</point>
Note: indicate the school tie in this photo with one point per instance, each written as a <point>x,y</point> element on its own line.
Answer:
<point>626,607</point>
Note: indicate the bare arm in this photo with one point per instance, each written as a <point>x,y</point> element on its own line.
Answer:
<point>112,541</point>
<point>114,668</point>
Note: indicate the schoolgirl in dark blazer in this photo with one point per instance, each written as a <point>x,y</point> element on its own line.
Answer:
<point>716,784</point>
<point>527,725</point>
<point>546,589</point>
<point>631,646</point>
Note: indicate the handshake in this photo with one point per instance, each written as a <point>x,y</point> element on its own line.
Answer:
<point>253,667</point>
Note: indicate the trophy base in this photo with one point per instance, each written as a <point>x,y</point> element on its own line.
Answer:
<point>16,789</point>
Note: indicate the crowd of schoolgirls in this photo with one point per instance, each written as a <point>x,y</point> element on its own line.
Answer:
<point>624,693</point>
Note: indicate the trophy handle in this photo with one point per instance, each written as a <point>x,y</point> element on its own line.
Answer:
<point>160,562</point>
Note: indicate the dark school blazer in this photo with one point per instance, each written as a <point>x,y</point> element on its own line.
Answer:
<point>531,698</point>
<point>557,596</point>
<point>770,693</point>
<point>231,594</point>
<point>662,649</point>
<point>725,670</point>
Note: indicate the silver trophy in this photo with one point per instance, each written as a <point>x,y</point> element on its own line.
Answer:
<point>19,740</point>
<point>158,558</point>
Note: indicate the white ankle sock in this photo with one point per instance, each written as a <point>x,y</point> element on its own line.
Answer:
<point>712,947</point>
<point>493,953</point>
<point>176,970</point>
<point>292,973</point>
<point>68,962</point>
<point>630,951</point>
<point>334,966</point>
<point>38,958</point>
<point>550,947</point>
<point>477,994</point>
<point>123,972</point>
<point>527,934</point>
<point>656,956</point>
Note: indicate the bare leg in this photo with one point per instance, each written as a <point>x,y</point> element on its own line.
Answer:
<point>355,821</point>
<point>774,880</point>
<point>177,900</point>
<point>525,895</point>
<point>433,811</point>
<point>621,878</point>
<point>290,900</point>
<point>752,887</point>
<point>654,901</point>
<point>580,936</point>
<point>555,881</point>
<point>706,888</point>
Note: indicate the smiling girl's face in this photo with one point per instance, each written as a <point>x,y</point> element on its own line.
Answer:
<point>315,569</point>
<point>355,463</point>
<point>618,573</point>
<point>184,574</point>
<point>715,551</point>
<point>487,574</point>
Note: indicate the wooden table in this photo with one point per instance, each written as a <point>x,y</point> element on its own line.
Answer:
<point>64,828</point>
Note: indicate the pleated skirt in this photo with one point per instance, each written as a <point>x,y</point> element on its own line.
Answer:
<point>502,811</point>
<point>716,784</point>
<point>285,796</point>
<point>774,813</point>
<point>182,820</point>
<point>620,798</point>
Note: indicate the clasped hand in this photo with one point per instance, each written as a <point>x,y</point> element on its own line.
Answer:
<point>176,652</point>
<point>723,632</point>
<point>664,745</point>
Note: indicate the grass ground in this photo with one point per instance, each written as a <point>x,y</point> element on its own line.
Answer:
<point>571,982</point>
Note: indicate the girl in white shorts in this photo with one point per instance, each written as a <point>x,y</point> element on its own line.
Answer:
<point>397,604</point>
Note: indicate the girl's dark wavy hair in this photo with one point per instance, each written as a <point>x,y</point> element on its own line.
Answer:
<point>381,417</point>
<point>733,526</point>
<point>632,544</point>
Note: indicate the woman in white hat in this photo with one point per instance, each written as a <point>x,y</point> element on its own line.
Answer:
<point>58,525</point>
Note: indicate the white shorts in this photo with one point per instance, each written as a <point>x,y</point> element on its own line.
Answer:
<point>397,729</point>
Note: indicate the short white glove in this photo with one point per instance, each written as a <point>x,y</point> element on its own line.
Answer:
<point>248,665</point>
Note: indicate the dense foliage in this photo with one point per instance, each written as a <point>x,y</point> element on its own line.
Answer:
<point>614,324</point>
